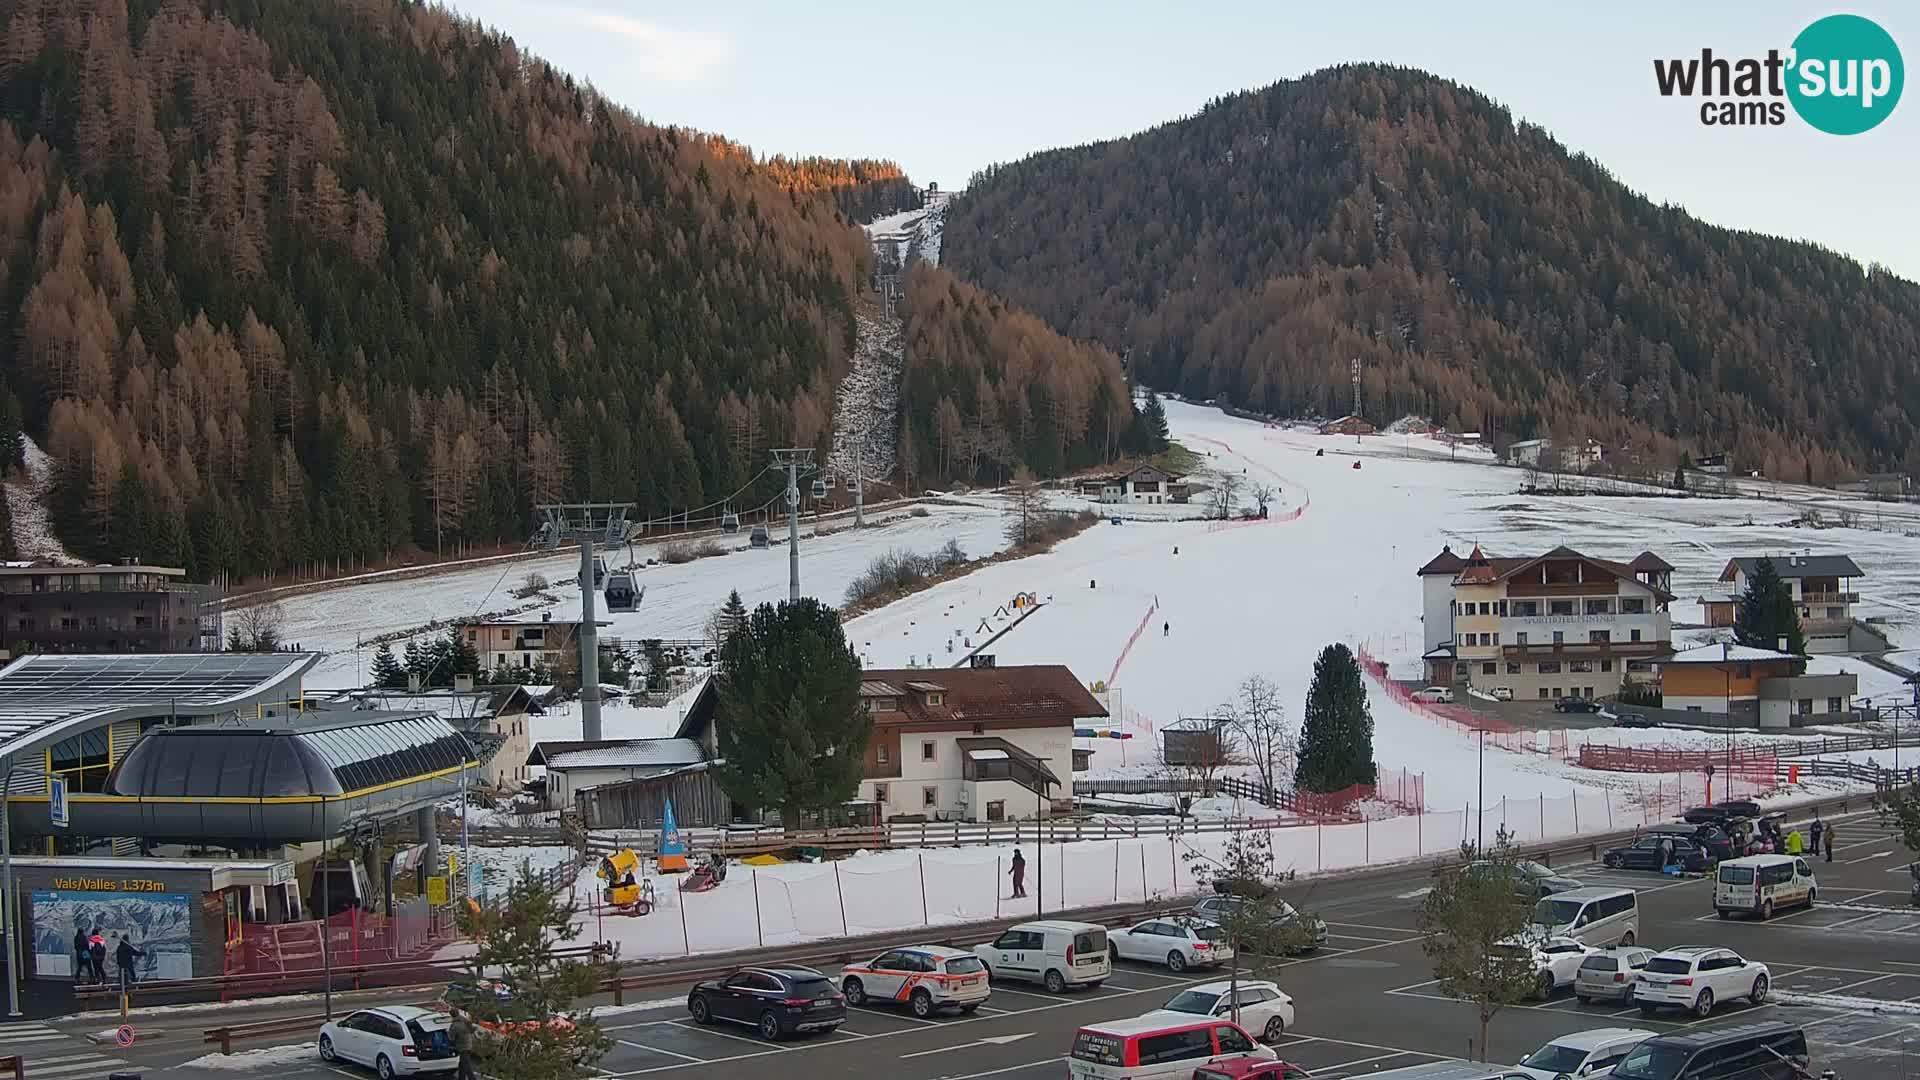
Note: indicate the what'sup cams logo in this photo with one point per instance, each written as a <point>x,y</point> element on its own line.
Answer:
<point>1843,75</point>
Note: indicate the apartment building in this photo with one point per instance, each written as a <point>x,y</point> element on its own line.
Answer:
<point>1545,626</point>
<point>1822,591</point>
<point>109,608</point>
<point>972,744</point>
<point>522,642</point>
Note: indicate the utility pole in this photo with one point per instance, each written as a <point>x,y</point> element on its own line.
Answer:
<point>859,481</point>
<point>585,523</point>
<point>794,460</point>
<point>1356,397</point>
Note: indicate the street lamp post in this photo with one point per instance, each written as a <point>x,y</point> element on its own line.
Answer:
<point>6,893</point>
<point>1040,840</point>
<point>1480,809</point>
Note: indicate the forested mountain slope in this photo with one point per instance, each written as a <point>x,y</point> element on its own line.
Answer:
<point>1480,273</point>
<point>292,280</point>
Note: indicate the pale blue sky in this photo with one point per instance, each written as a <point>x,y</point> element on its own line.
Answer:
<point>945,89</point>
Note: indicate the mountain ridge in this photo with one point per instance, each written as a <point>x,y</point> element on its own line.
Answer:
<point>1481,271</point>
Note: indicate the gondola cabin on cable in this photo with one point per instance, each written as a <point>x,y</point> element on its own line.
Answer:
<point>621,594</point>
<point>819,489</point>
<point>758,538</point>
<point>730,522</point>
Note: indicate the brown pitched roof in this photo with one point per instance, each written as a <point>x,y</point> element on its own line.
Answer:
<point>1044,694</point>
<point>1444,563</point>
<point>1502,568</point>
<point>1647,560</point>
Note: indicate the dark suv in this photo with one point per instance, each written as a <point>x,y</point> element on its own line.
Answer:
<point>776,1001</point>
<point>1768,1051</point>
<point>1576,704</point>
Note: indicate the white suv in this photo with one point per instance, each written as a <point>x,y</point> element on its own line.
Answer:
<point>1556,960</point>
<point>1696,977</point>
<point>1434,693</point>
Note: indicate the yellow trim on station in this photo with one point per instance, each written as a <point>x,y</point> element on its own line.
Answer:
<point>79,797</point>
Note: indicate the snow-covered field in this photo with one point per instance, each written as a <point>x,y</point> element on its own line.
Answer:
<point>678,601</point>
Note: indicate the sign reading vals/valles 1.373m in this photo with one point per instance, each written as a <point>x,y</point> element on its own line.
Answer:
<point>94,884</point>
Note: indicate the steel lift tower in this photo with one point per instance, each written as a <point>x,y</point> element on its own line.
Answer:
<point>586,524</point>
<point>796,461</point>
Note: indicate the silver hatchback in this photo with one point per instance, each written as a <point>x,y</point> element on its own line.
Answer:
<point>1608,975</point>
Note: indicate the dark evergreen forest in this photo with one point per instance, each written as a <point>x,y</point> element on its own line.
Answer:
<point>1482,274</point>
<point>292,281</point>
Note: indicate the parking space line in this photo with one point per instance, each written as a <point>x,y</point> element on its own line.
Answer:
<point>1151,975</point>
<point>1883,1035</point>
<point>894,1014</point>
<point>1009,1068</point>
<point>1370,926</point>
<point>662,1053</point>
<point>1377,1057</point>
<point>1863,982</point>
<point>691,1026</point>
<point>1375,940</point>
<point>1026,993</point>
<point>1855,919</point>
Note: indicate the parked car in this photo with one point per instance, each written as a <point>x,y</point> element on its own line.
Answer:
<point>1765,1051</point>
<point>1584,1055</point>
<point>1610,974</point>
<point>1556,960</point>
<point>1576,705</point>
<point>1250,1069</point>
<point>496,1010</point>
<point>1312,930</point>
<point>1722,810</point>
<point>1760,884</point>
<point>1529,878</point>
<point>1178,941</point>
<point>775,1001</point>
<point>1711,836</point>
<point>1434,693</point>
<point>925,978</point>
<point>1264,1007</point>
<point>1634,720</point>
<point>393,1040</point>
<point>1502,693</point>
<point>1696,977</point>
<point>1055,953</point>
<point>1656,853</point>
<point>1158,1046</point>
<point>1451,1070</point>
<point>1599,916</point>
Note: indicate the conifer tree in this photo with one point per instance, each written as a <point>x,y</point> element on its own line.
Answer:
<point>387,672</point>
<point>790,726</point>
<point>1336,732</point>
<point>1153,422</point>
<point>1766,615</point>
<point>513,943</point>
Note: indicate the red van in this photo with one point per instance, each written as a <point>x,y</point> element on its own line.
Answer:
<point>1155,1046</point>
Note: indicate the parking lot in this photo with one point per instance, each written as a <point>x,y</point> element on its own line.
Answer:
<point>1366,1001</point>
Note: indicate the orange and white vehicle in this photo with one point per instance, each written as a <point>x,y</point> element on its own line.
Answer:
<point>925,978</point>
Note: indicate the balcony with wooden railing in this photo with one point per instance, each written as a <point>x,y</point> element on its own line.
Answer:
<point>1817,599</point>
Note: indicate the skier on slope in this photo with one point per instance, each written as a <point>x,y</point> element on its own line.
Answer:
<point>1166,628</point>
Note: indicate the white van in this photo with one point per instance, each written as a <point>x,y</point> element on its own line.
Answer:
<point>1053,952</point>
<point>1758,884</point>
<point>1599,916</point>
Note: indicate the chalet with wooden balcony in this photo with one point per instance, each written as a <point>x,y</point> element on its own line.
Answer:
<point>1823,594</point>
<point>972,744</point>
<point>522,642</point>
<point>1546,626</point>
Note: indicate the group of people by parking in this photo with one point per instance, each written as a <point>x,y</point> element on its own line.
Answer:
<point>90,956</point>
<point>1768,839</point>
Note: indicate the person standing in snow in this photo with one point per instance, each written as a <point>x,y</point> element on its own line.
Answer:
<point>1019,874</point>
<point>1166,628</point>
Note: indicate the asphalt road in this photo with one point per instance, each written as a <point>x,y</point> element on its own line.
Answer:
<point>1365,1002</point>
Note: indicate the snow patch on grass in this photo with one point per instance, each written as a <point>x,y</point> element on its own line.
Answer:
<point>27,498</point>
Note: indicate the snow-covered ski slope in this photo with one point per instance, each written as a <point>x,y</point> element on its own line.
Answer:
<point>918,232</point>
<point>1244,599</point>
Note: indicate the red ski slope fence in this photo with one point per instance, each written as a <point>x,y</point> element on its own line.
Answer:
<point>1132,640</point>
<point>1499,733</point>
